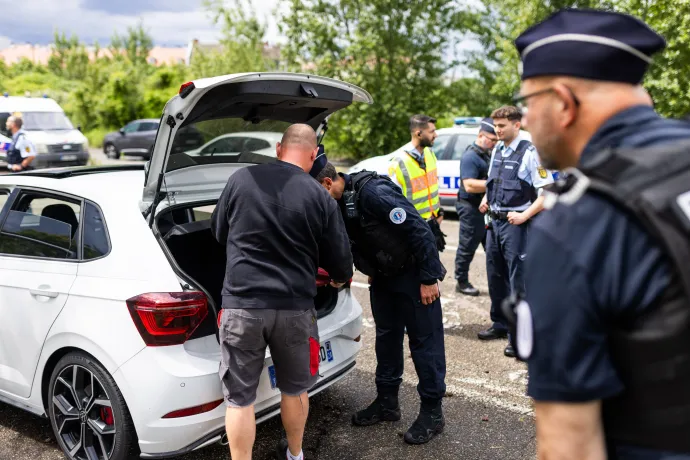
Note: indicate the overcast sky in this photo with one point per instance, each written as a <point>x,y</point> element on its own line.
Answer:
<point>170,22</point>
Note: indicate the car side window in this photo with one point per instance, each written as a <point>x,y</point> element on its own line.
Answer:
<point>96,243</point>
<point>440,144</point>
<point>147,126</point>
<point>461,144</point>
<point>132,127</point>
<point>41,225</point>
<point>3,124</point>
<point>225,145</point>
<point>253,144</point>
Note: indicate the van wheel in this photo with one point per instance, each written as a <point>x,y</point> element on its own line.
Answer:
<point>111,152</point>
<point>88,413</point>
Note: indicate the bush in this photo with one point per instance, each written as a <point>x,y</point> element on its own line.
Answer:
<point>96,135</point>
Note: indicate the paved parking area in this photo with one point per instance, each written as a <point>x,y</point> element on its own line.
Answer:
<point>488,416</point>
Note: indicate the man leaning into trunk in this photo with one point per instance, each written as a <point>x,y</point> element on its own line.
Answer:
<point>278,226</point>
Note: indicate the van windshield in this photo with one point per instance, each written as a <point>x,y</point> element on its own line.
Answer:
<point>46,121</point>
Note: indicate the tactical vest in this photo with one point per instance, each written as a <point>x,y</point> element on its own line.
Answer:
<point>14,156</point>
<point>419,185</point>
<point>474,198</point>
<point>504,187</point>
<point>375,248</point>
<point>651,353</point>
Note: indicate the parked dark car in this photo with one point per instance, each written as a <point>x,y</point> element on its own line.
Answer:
<point>135,138</point>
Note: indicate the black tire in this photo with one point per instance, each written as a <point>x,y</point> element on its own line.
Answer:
<point>111,151</point>
<point>81,418</point>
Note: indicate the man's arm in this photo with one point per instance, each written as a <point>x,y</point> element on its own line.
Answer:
<point>474,185</point>
<point>219,218</point>
<point>334,247</point>
<point>569,431</point>
<point>540,178</point>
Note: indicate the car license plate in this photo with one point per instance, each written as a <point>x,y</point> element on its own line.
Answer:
<point>68,157</point>
<point>325,354</point>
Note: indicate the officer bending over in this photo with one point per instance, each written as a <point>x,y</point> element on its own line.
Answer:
<point>474,170</point>
<point>606,324</point>
<point>513,192</point>
<point>394,246</point>
<point>21,152</point>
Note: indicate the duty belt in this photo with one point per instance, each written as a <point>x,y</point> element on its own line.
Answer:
<point>500,215</point>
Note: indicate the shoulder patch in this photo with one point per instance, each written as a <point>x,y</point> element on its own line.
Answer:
<point>27,149</point>
<point>542,172</point>
<point>525,330</point>
<point>397,215</point>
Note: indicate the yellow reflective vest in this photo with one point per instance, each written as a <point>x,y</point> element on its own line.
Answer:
<point>419,186</point>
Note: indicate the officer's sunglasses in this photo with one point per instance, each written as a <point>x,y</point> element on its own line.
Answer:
<point>521,101</point>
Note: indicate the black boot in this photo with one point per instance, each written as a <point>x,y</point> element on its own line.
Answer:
<point>383,409</point>
<point>465,287</point>
<point>429,423</point>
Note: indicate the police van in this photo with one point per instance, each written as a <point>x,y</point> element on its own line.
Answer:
<point>448,148</point>
<point>57,141</point>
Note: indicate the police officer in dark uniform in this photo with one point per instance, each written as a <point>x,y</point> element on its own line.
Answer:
<point>394,246</point>
<point>605,327</point>
<point>474,170</point>
<point>21,152</point>
<point>513,194</point>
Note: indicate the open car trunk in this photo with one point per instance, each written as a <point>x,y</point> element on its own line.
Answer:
<point>186,232</point>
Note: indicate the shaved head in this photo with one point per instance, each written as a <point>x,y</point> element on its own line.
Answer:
<point>298,146</point>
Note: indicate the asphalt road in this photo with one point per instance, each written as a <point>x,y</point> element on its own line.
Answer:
<point>487,414</point>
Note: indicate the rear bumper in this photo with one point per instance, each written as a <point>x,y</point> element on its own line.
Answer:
<point>269,412</point>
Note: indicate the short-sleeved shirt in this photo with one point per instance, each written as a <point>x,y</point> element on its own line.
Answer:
<point>528,172</point>
<point>588,266</point>
<point>473,165</point>
<point>23,144</point>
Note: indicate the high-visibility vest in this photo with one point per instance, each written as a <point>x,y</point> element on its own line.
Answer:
<point>419,186</point>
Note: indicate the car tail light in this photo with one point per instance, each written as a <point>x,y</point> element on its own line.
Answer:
<point>194,410</point>
<point>322,278</point>
<point>167,318</point>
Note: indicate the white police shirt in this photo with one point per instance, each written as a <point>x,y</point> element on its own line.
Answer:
<point>23,144</point>
<point>531,170</point>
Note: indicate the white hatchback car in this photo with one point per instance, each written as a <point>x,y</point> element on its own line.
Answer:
<point>109,299</point>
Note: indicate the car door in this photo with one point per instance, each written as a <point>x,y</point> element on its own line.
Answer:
<point>144,137</point>
<point>127,137</point>
<point>39,241</point>
<point>449,168</point>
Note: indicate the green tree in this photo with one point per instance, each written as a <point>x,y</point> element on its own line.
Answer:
<point>69,58</point>
<point>395,49</point>
<point>135,46</point>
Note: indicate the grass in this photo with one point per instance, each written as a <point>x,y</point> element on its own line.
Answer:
<point>95,136</point>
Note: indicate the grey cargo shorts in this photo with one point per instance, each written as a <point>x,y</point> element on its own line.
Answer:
<point>293,337</point>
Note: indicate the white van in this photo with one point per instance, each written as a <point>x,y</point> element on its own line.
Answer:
<point>57,142</point>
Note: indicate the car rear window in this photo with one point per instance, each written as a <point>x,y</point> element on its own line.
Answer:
<point>96,242</point>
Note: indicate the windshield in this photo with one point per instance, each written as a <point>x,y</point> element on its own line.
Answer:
<point>226,140</point>
<point>46,121</point>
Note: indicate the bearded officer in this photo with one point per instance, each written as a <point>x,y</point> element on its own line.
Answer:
<point>394,246</point>
<point>605,327</point>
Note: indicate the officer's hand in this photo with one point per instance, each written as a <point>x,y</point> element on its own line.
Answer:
<point>517,218</point>
<point>17,167</point>
<point>484,206</point>
<point>429,293</point>
<point>439,219</point>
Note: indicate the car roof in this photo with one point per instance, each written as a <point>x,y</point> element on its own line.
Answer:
<point>105,184</point>
<point>28,104</point>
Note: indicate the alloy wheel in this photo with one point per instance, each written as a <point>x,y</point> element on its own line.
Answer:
<point>83,415</point>
<point>111,152</point>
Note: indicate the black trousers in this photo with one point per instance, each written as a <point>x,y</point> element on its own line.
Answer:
<point>396,308</point>
<point>472,232</point>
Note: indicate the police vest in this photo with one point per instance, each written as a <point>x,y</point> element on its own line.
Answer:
<point>419,185</point>
<point>504,187</point>
<point>14,156</point>
<point>375,248</point>
<point>651,354</point>
<point>474,198</point>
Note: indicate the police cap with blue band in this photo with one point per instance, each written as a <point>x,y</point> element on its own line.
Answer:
<point>487,124</point>
<point>591,44</point>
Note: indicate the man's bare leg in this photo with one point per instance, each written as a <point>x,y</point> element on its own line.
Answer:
<point>240,424</point>
<point>294,411</point>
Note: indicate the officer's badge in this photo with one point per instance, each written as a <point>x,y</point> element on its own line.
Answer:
<point>397,215</point>
<point>542,172</point>
<point>27,149</point>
